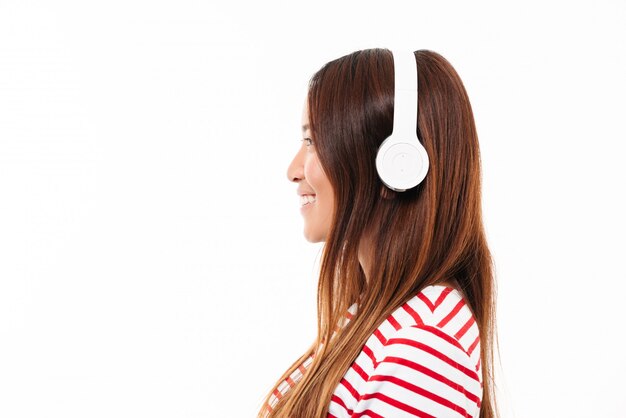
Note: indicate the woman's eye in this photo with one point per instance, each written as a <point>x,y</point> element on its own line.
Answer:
<point>308,141</point>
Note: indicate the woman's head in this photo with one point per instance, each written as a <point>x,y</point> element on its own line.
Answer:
<point>430,234</point>
<point>347,115</point>
<point>317,199</point>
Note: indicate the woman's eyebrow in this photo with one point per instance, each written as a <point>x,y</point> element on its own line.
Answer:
<point>305,127</point>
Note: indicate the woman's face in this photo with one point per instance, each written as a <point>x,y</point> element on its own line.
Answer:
<point>317,199</point>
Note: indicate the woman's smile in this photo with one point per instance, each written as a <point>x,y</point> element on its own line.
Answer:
<point>307,199</point>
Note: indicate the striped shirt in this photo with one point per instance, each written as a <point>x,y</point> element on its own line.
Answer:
<point>422,361</point>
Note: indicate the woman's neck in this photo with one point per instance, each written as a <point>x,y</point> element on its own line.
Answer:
<point>365,260</point>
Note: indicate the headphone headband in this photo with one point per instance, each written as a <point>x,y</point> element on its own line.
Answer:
<point>405,94</point>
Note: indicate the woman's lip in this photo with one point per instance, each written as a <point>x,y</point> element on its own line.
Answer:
<point>306,206</point>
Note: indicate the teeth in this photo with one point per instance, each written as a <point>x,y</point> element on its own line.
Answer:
<point>306,199</point>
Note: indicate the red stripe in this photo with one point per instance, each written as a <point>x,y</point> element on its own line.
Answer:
<point>400,405</point>
<point>473,346</point>
<point>277,393</point>
<point>290,381</point>
<point>302,369</point>
<point>428,349</point>
<point>380,337</point>
<point>452,314</point>
<point>367,413</point>
<point>432,374</point>
<point>442,296</point>
<point>463,330</point>
<point>336,399</point>
<point>413,313</point>
<point>427,301</point>
<point>393,322</point>
<point>350,388</point>
<point>360,371</point>
<point>444,336</point>
<point>423,392</point>
<point>368,352</point>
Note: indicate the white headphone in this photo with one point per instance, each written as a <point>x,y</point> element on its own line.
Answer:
<point>402,161</point>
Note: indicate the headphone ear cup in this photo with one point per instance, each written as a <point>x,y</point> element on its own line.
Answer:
<point>401,165</point>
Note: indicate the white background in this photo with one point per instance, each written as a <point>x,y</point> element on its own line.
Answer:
<point>152,261</point>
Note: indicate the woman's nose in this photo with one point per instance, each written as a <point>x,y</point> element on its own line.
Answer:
<point>295,171</point>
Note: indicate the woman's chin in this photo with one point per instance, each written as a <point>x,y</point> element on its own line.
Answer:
<point>313,236</point>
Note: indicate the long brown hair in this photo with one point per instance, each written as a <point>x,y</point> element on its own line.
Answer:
<point>427,235</point>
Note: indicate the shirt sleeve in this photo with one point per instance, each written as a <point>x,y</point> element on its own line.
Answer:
<point>421,372</point>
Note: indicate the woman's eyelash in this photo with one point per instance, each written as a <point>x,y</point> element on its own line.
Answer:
<point>309,141</point>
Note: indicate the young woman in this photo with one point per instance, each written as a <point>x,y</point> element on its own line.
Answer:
<point>406,288</point>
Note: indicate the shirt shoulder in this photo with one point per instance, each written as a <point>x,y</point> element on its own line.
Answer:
<point>421,371</point>
<point>426,359</point>
<point>440,307</point>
